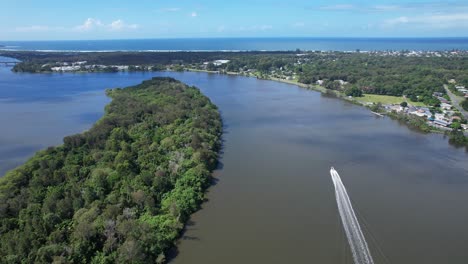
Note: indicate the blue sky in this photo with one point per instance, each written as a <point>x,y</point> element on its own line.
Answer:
<point>124,19</point>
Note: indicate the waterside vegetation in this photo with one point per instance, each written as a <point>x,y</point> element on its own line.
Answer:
<point>120,192</point>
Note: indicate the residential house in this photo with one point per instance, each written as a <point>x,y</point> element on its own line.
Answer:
<point>465,91</point>
<point>445,106</point>
<point>441,123</point>
<point>220,62</point>
<point>422,112</point>
<point>397,108</point>
<point>440,117</point>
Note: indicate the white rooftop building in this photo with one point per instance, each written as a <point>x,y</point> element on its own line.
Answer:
<point>446,106</point>
<point>220,62</point>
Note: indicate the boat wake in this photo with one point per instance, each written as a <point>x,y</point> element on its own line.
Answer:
<point>356,239</point>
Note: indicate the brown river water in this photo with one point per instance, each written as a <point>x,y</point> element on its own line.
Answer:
<point>273,200</point>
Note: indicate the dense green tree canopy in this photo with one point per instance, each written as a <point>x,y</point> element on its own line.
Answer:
<point>120,192</point>
<point>353,91</point>
<point>464,104</point>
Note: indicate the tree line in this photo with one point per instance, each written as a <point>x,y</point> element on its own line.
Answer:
<point>416,77</point>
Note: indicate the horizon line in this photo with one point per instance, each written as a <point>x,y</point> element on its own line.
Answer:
<point>280,37</point>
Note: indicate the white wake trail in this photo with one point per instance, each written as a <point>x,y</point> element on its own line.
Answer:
<point>356,239</point>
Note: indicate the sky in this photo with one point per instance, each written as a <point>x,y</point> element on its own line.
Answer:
<point>125,19</point>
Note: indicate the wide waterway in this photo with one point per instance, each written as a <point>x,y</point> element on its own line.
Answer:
<point>274,201</point>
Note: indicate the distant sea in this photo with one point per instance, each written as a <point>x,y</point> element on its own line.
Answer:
<point>244,44</point>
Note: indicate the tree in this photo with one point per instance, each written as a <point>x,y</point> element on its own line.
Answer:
<point>211,67</point>
<point>353,91</point>
<point>464,104</point>
<point>404,104</point>
<point>458,138</point>
<point>455,125</point>
<point>333,85</point>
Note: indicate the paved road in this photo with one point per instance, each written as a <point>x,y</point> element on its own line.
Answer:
<point>456,100</point>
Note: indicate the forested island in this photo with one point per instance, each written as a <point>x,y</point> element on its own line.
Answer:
<point>119,192</point>
<point>411,86</point>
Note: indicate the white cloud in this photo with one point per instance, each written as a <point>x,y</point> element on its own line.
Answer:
<point>396,21</point>
<point>119,24</point>
<point>194,14</point>
<point>435,21</point>
<point>89,24</point>
<point>95,24</point>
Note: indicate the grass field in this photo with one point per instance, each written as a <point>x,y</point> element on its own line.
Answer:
<point>386,99</point>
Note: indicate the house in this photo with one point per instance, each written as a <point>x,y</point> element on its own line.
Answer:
<point>412,109</point>
<point>441,123</point>
<point>397,108</point>
<point>445,106</point>
<point>449,112</point>
<point>319,82</point>
<point>443,100</point>
<point>422,113</point>
<point>79,63</point>
<point>439,116</point>
<point>220,62</point>
<point>464,126</point>
<point>65,68</point>
<point>456,118</point>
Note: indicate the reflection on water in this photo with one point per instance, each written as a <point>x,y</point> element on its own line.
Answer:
<point>274,200</point>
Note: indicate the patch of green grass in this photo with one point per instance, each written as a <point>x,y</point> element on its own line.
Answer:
<point>386,99</point>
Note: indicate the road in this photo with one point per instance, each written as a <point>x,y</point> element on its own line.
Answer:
<point>456,100</point>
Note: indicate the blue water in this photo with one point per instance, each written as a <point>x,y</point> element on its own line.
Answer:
<point>216,44</point>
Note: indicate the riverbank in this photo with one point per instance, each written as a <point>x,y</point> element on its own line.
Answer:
<point>413,122</point>
<point>370,101</point>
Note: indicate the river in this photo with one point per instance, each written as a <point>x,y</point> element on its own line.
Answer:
<point>274,200</point>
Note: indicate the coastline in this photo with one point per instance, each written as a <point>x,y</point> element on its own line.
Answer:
<point>233,44</point>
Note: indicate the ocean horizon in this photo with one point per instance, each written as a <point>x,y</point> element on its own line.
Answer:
<point>244,44</point>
